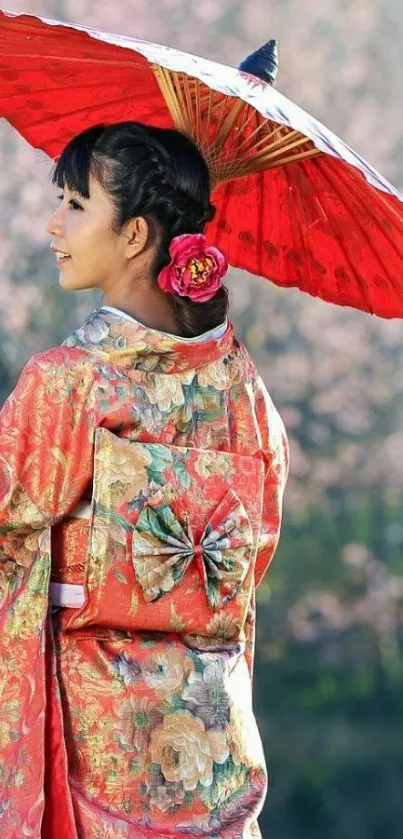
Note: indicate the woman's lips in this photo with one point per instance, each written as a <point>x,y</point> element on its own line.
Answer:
<point>62,258</point>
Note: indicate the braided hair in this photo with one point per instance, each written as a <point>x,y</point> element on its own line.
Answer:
<point>157,173</point>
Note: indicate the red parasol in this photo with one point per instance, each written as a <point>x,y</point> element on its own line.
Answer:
<point>295,204</point>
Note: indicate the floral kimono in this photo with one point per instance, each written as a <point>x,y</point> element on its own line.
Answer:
<point>141,486</point>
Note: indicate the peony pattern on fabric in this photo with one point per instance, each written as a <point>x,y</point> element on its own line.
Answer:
<point>132,717</point>
<point>182,525</point>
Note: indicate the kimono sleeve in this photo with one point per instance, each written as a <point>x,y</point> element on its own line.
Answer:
<point>46,434</point>
<point>276,454</point>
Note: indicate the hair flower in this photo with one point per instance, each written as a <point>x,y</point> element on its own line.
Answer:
<point>196,268</point>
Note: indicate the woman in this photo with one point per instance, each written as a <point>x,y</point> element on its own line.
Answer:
<point>142,471</point>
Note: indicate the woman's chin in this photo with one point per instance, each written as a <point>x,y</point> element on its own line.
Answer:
<point>64,281</point>
<point>71,283</point>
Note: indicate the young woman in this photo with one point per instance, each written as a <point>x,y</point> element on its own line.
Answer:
<point>142,471</point>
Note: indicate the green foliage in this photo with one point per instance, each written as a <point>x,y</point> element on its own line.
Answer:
<point>330,707</point>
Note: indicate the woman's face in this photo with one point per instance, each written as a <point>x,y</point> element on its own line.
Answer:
<point>88,252</point>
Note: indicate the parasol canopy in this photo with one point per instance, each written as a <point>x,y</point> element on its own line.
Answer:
<point>294,203</point>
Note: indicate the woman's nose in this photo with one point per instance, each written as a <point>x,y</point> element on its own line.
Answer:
<point>55,224</point>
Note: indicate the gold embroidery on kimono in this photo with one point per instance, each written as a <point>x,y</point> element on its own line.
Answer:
<point>141,487</point>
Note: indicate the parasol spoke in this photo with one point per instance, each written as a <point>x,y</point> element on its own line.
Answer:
<point>171,100</point>
<point>208,118</point>
<point>183,88</point>
<point>249,167</point>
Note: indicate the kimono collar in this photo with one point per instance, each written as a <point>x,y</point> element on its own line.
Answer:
<point>128,343</point>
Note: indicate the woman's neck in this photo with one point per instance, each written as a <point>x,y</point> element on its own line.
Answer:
<point>153,309</point>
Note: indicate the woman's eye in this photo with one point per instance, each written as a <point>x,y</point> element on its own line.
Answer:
<point>72,203</point>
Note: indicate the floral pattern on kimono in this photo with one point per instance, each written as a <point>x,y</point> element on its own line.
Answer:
<point>131,715</point>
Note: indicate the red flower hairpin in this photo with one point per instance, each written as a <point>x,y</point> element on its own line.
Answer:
<point>196,268</point>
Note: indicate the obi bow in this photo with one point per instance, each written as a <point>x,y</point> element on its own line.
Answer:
<point>163,548</point>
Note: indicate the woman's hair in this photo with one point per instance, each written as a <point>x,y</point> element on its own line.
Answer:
<point>157,173</point>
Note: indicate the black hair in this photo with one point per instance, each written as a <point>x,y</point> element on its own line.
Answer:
<point>158,173</point>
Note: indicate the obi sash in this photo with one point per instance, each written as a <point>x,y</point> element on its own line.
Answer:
<point>169,532</point>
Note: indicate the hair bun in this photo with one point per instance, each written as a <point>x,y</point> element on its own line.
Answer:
<point>194,212</point>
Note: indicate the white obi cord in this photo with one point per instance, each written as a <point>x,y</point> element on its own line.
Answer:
<point>67,595</point>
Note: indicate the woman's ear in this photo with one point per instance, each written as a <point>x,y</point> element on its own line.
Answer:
<point>137,235</point>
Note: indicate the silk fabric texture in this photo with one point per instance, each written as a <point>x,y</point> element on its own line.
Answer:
<point>131,717</point>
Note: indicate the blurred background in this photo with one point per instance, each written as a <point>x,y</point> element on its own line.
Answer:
<point>329,676</point>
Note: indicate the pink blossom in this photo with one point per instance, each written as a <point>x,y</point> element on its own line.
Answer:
<point>195,270</point>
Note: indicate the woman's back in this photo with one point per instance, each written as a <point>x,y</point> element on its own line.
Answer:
<point>178,451</point>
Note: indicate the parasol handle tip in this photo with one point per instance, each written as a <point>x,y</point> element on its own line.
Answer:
<point>263,63</point>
